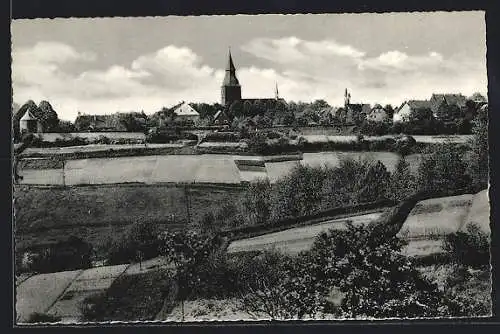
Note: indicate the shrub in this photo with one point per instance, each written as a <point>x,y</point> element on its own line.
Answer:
<point>130,298</point>
<point>222,137</point>
<point>70,254</point>
<point>470,248</point>
<point>200,262</point>
<point>443,170</point>
<point>139,242</point>
<point>43,318</point>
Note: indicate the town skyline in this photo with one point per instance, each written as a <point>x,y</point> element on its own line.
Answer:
<point>309,56</point>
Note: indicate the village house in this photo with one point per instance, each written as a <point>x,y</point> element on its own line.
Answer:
<point>412,109</point>
<point>353,113</point>
<point>99,123</point>
<point>447,107</point>
<point>378,114</point>
<point>29,123</point>
<point>221,118</point>
<point>184,112</point>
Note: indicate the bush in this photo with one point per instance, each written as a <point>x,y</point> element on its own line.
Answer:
<point>470,248</point>
<point>70,254</point>
<point>140,242</point>
<point>200,261</point>
<point>273,283</point>
<point>43,318</point>
<point>222,137</point>
<point>136,297</point>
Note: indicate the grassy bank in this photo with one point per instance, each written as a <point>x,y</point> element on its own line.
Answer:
<point>44,214</point>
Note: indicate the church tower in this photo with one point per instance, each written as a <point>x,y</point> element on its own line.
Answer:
<point>231,89</point>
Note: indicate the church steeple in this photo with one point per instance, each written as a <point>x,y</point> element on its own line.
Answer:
<point>276,92</point>
<point>230,78</point>
<point>231,89</point>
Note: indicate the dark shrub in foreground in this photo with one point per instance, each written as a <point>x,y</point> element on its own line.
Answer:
<point>43,318</point>
<point>130,298</point>
<point>139,242</point>
<point>470,248</point>
<point>70,254</point>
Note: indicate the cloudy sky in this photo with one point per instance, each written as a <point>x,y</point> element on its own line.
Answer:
<point>105,65</point>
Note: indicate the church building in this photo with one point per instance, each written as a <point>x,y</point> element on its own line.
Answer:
<point>231,88</point>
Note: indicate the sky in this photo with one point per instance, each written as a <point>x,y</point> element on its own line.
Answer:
<point>105,65</point>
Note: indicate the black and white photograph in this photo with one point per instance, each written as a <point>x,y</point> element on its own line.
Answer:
<point>216,168</point>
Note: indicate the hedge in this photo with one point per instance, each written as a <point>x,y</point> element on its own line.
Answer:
<point>259,229</point>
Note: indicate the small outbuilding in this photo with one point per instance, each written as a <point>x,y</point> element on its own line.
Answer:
<point>29,123</point>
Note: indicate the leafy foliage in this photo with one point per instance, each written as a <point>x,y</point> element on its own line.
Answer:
<point>139,242</point>
<point>200,261</point>
<point>478,159</point>
<point>443,170</point>
<point>402,182</point>
<point>470,248</point>
<point>70,254</point>
<point>43,318</point>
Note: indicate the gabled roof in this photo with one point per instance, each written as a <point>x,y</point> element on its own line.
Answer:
<point>418,104</point>
<point>185,109</point>
<point>450,99</point>
<point>28,116</point>
<point>359,107</point>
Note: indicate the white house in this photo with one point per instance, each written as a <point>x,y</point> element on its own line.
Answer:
<point>185,112</point>
<point>377,114</point>
<point>409,108</point>
<point>29,123</point>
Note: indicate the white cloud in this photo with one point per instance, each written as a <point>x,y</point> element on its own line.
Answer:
<point>324,68</point>
<point>304,70</point>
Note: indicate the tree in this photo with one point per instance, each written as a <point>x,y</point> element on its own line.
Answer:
<point>372,185</point>
<point>47,116</point>
<point>443,171</point>
<point>256,202</point>
<point>478,97</point>
<point>370,275</point>
<point>402,182</point>
<point>320,104</point>
<point>477,157</point>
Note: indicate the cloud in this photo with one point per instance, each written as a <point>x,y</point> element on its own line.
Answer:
<point>148,83</point>
<point>292,49</point>
<point>304,70</point>
<point>326,67</point>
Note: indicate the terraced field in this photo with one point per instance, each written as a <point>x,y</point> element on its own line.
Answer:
<point>98,212</point>
<point>431,220</point>
<point>205,168</point>
<point>297,239</point>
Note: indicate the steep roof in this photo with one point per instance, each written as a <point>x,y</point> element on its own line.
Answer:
<point>28,116</point>
<point>230,78</point>
<point>419,104</point>
<point>359,107</point>
<point>450,99</point>
<point>185,110</point>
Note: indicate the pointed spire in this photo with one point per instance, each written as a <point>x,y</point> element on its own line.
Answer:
<point>276,92</point>
<point>230,78</point>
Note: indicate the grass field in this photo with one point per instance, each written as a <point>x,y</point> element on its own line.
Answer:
<point>97,212</point>
<point>479,213</point>
<point>296,239</point>
<point>436,217</point>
